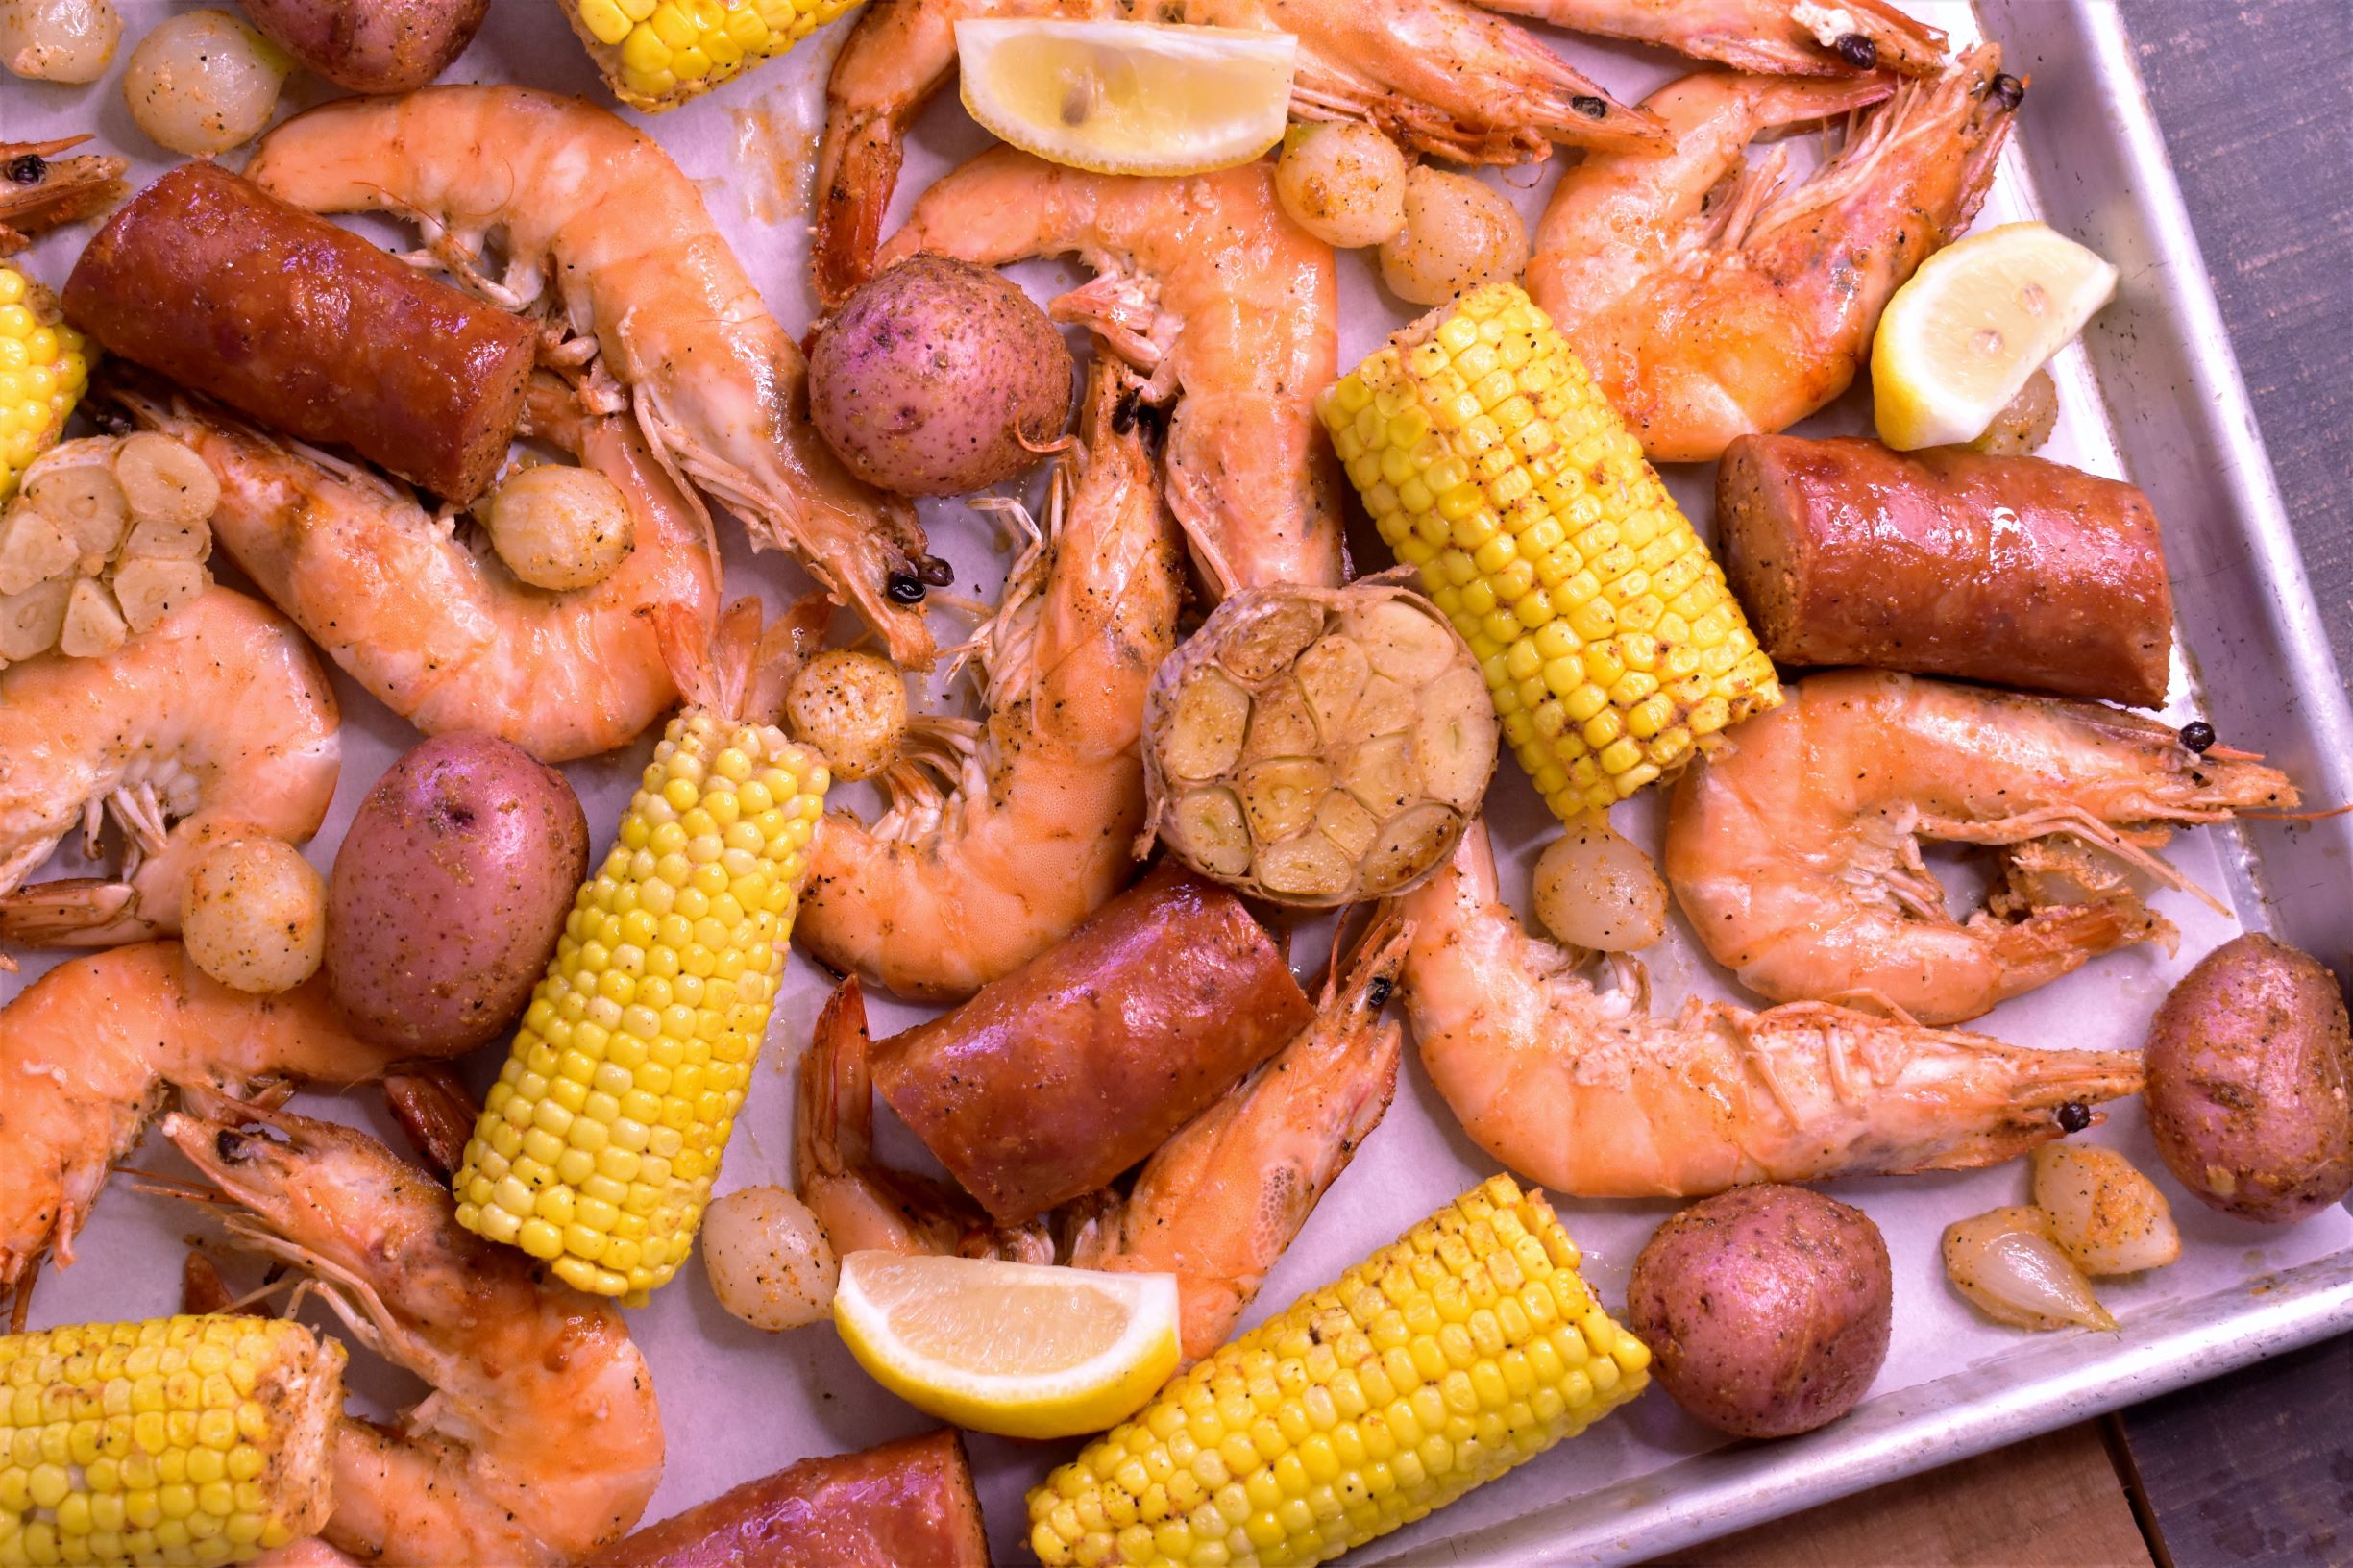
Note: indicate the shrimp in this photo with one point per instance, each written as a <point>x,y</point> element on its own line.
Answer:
<point>1218,1205</point>
<point>862,1204</point>
<point>1002,836</point>
<point>1207,286</point>
<point>1585,1091</point>
<point>1772,38</point>
<point>1708,320</point>
<point>439,631</point>
<point>541,1440</point>
<point>603,234</point>
<point>1435,74</point>
<point>1795,850</point>
<point>89,1050</point>
<point>215,723</point>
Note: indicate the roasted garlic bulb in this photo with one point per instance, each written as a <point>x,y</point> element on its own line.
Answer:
<point>1315,746</point>
<point>107,537</point>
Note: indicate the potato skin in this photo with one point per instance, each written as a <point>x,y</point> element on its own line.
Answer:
<point>2251,1081</point>
<point>450,891</point>
<point>1767,1309</point>
<point>371,45</point>
<point>926,380</point>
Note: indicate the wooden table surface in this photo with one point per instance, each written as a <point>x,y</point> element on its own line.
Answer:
<point>2256,1469</point>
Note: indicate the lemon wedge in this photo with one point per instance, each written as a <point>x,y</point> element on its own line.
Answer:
<point>1128,97</point>
<point>1957,342</point>
<point>1010,1348</point>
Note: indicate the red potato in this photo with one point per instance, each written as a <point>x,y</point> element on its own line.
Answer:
<point>1767,1308</point>
<point>450,891</point>
<point>371,45</point>
<point>2251,1081</point>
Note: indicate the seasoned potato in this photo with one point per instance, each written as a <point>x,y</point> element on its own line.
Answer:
<point>2251,1081</point>
<point>768,1259</point>
<point>929,378</point>
<point>1767,1309</point>
<point>255,915</point>
<point>371,45</point>
<point>450,891</point>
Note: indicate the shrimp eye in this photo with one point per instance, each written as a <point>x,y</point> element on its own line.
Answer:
<point>904,588</point>
<point>28,169</point>
<point>2198,735</point>
<point>2008,90</point>
<point>230,1143</point>
<point>2075,1116</point>
<point>1859,51</point>
<point>1377,994</point>
<point>1591,106</point>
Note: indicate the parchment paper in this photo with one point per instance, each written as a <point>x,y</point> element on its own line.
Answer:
<point>737,1403</point>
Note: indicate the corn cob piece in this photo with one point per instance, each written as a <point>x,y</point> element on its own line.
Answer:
<point>1433,1366</point>
<point>597,1146</point>
<point>44,364</point>
<point>656,56</point>
<point>1490,460</point>
<point>180,1440</point>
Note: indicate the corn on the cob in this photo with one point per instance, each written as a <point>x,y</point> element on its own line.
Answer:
<point>44,364</point>
<point>180,1440</point>
<point>1434,1365</point>
<point>658,54</point>
<point>1491,461</point>
<point>598,1144</point>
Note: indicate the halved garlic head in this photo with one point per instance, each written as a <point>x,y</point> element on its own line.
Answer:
<point>1314,747</point>
<point>2008,1268</point>
<point>107,537</point>
<point>2108,1216</point>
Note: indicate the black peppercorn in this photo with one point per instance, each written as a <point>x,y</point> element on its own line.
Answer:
<point>904,588</point>
<point>2198,735</point>
<point>1858,52</point>
<point>2075,1116</point>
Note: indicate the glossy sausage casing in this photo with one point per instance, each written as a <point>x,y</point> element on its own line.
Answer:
<point>1055,1078</point>
<point>1947,562</point>
<point>307,328</point>
<point>897,1505</point>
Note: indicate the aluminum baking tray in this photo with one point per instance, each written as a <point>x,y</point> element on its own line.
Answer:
<point>2151,392</point>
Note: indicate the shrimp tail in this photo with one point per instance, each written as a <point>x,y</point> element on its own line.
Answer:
<point>1881,37</point>
<point>55,913</point>
<point>436,1112</point>
<point>857,169</point>
<point>833,1134</point>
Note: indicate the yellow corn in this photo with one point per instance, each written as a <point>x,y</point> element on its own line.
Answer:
<point>1490,460</point>
<point>597,1146</point>
<point>658,54</point>
<point>44,364</point>
<point>180,1440</point>
<point>1433,1366</point>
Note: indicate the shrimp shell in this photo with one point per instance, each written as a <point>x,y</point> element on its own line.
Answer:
<point>1589,1095</point>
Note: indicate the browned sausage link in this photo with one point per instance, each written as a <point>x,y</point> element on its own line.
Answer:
<point>1947,562</point>
<point>894,1507</point>
<point>232,292</point>
<point>1054,1079</point>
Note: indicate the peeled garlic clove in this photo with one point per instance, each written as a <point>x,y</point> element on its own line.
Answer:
<point>2107,1216</point>
<point>1306,866</point>
<point>73,485</point>
<point>1594,888</point>
<point>33,550</point>
<point>1205,735</point>
<point>1208,826</point>
<point>1273,639</point>
<point>30,620</point>
<point>850,705</point>
<point>1404,642</point>
<point>93,625</point>
<point>2008,1268</point>
<point>1332,674</point>
<point>1281,797</point>
<point>1410,845</point>
<point>1280,725</point>
<point>148,591</point>
<point>165,480</point>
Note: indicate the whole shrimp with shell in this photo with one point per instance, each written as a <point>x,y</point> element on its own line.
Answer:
<point>1436,74</point>
<point>1211,292</point>
<point>1771,37</point>
<point>646,306</point>
<point>1711,298</point>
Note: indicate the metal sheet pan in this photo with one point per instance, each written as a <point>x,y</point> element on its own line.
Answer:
<point>2151,392</point>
